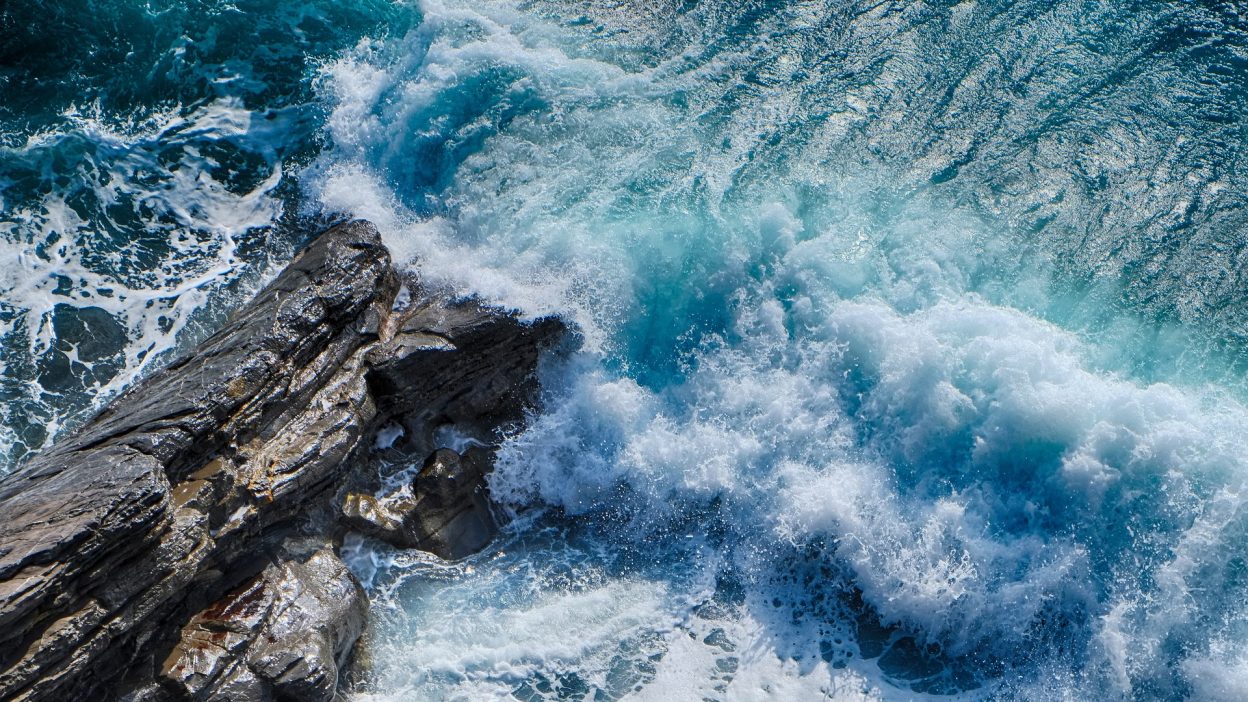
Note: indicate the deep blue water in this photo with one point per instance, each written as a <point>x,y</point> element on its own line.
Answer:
<point>914,351</point>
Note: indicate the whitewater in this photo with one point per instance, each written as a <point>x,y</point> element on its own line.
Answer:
<point>911,356</point>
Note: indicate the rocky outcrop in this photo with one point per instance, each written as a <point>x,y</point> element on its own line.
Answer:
<point>282,635</point>
<point>442,510</point>
<point>166,519</point>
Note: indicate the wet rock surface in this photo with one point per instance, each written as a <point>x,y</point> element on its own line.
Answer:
<point>443,509</point>
<point>148,524</point>
<point>284,634</point>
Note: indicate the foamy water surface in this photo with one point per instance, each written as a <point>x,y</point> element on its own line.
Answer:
<point>912,345</point>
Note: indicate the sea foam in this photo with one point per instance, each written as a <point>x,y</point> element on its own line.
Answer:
<point>833,431</point>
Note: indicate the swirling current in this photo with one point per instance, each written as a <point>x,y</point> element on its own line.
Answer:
<point>913,333</point>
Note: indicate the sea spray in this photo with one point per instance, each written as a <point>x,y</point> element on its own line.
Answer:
<point>858,413</point>
<point>912,358</point>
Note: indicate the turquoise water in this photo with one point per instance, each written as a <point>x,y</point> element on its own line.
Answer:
<point>913,352</point>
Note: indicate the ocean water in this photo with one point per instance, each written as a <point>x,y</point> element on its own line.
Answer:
<point>913,351</point>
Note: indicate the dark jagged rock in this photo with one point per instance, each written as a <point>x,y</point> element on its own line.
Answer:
<point>415,379</point>
<point>185,487</point>
<point>443,509</point>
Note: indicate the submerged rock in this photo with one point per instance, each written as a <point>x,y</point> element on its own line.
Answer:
<point>443,509</point>
<point>127,531</point>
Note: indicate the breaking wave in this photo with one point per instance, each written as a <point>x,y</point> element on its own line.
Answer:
<point>912,357</point>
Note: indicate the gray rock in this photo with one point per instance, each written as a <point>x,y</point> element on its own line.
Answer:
<point>443,510</point>
<point>113,540</point>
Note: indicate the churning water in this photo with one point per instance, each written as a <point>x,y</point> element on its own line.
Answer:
<point>914,346</point>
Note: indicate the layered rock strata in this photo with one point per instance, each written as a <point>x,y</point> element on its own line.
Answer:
<point>162,550</point>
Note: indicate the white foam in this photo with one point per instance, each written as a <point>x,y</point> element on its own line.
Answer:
<point>54,252</point>
<point>800,351</point>
<point>478,643</point>
<point>387,435</point>
<point>1220,675</point>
